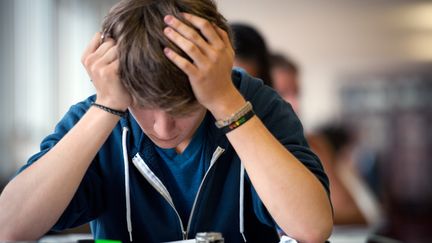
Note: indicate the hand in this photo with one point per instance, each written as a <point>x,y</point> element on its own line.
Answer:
<point>213,57</point>
<point>102,65</point>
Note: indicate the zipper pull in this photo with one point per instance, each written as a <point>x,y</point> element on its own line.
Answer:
<point>185,235</point>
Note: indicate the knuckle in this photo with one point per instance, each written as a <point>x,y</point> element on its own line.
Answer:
<point>214,60</point>
<point>109,41</point>
<point>224,33</point>
<point>191,48</point>
<point>94,69</point>
<point>86,60</point>
<point>175,23</point>
<point>217,53</point>
<point>199,76</point>
<point>194,36</point>
<point>105,73</point>
<point>91,60</point>
<point>188,68</point>
<point>205,25</point>
<point>184,65</point>
<point>219,48</point>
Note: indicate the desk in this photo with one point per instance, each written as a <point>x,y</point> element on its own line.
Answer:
<point>72,238</point>
<point>350,234</point>
<point>341,234</point>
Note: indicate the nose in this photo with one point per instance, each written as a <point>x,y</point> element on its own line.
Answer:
<point>163,125</point>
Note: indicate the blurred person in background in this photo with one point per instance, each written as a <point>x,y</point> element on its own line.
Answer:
<point>353,202</point>
<point>334,145</point>
<point>251,52</point>
<point>285,79</point>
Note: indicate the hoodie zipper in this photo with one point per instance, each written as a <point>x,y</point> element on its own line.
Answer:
<point>215,156</point>
<point>158,185</point>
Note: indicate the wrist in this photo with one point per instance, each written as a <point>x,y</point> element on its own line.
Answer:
<point>230,103</point>
<point>118,113</point>
<point>111,103</point>
<point>237,119</point>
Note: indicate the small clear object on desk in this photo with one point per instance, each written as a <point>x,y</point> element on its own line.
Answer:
<point>209,237</point>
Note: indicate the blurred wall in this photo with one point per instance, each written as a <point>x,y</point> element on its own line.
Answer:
<point>40,70</point>
<point>332,38</point>
<point>6,85</point>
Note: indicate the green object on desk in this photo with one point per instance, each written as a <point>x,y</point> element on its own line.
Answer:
<point>107,241</point>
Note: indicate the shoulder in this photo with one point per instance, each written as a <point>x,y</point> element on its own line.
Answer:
<point>265,100</point>
<point>83,106</point>
<point>74,114</point>
<point>245,83</point>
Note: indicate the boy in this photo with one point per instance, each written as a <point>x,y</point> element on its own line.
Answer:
<point>199,147</point>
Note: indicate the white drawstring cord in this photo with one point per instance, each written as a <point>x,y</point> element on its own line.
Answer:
<point>127,186</point>
<point>241,201</point>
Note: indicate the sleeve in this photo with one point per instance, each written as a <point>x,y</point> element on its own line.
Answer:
<point>279,117</point>
<point>87,202</point>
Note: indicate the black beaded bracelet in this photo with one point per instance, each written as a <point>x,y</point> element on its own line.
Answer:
<point>109,110</point>
<point>242,120</point>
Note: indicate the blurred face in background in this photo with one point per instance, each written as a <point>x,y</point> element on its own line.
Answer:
<point>248,65</point>
<point>285,82</point>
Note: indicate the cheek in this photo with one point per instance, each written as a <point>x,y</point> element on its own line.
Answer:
<point>145,121</point>
<point>188,125</point>
<point>146,127</point>
<point>182,126</point>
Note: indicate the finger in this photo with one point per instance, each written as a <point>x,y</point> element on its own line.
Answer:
<point>114,66</point>
<point>106,72</point>
<point>223,35</point>
<point>188,68</point>
<point>97,55</point>
<point>110,56</point>
<point>205,27</point>
<point>192,50</point>
<point>186,31</point>
<point>104,47</point>
<point>92,46</point>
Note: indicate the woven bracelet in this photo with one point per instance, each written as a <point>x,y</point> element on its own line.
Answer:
<point>109,110</point>
<point>242,120</point>
<point>234,117</point>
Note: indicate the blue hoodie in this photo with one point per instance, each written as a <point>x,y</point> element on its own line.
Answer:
<point>124,197</point>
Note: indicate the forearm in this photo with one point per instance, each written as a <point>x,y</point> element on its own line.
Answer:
<point>293,195</point>
<point>34,200</point>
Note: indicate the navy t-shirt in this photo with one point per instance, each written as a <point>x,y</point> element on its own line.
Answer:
<point>185,172</point>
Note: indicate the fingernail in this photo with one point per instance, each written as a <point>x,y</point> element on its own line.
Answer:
<point>168,19</point>
<point>166,50</point>
<point>167,30</point>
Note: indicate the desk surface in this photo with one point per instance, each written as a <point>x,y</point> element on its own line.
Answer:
<point>341,234</point>
<point>350,234</point>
